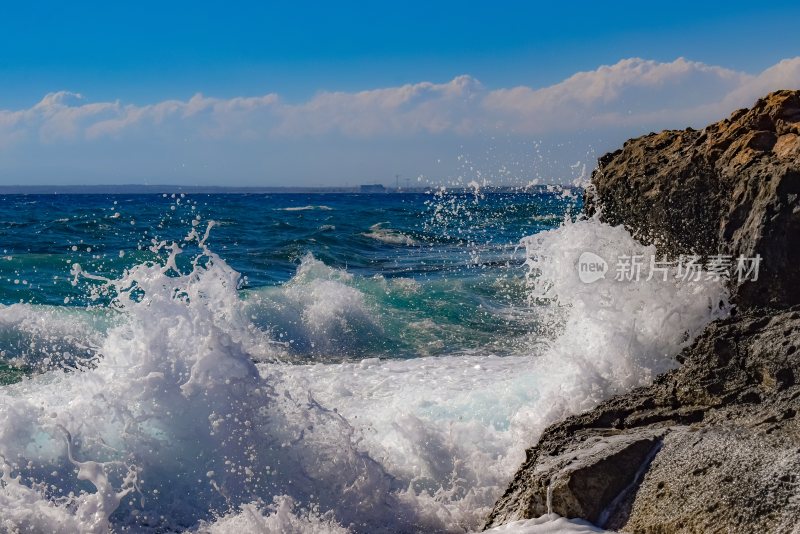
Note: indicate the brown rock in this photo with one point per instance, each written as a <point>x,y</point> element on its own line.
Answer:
<point>732,188</point>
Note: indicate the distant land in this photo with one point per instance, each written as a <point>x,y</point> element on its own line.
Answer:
<point>134,189</point>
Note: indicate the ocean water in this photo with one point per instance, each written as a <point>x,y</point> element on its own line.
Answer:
<point>306,363</point>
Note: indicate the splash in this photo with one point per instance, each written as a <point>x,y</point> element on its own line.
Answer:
<point>191,416</point>
<point>317,313</point>
<point>278,517</point>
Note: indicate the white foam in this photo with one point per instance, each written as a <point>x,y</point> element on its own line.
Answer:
<point>47,337</point>
<point>547,524</point>
<point>177,425</point>
<point>24,509</point>
<point>278,517</point>
<point>318,312</point>
<point>455,428</point>
<point>388,235</point>
<point>305,208</point>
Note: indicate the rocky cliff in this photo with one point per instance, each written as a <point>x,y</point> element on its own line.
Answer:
<point>731,188</point>
<point>713,446</point>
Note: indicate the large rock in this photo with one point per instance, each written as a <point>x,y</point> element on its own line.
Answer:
<point>583,479</point>
<point>732,188</point>
<point>713,446</point>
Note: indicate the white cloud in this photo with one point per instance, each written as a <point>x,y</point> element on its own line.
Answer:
<point>404,110</point>
<point>353,135</point>
<point>783,75</point>
<point>629,93</point>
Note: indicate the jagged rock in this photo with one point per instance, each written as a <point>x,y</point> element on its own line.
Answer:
<point>713,446</point>
<point>585,479</point>
<point>732,188</point>
<point>725,428</point>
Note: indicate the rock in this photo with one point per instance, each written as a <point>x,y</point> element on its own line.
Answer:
<point>713,446</point>
<point>585,479</point>
<point>732,188</point>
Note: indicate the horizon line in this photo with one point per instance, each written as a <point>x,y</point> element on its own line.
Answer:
<point>174,188</point>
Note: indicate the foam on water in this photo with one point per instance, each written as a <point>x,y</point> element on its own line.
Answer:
<point>174,426</point>
<point>306,208</point>
<point>454,429</point>
<point>277,517</point>
<point>388,235</point>
<point>47,337</point>
<point>547,524</point>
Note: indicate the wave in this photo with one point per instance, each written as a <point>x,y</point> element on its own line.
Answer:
<point>321,207</point>
<point>194,418</point>
<point>50,337</point>
<point>387,235</point>
<point>317,313</point>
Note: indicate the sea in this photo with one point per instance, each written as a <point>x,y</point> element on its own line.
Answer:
<point>341,362</point>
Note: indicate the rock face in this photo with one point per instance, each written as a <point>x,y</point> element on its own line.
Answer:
<point>713,446</point>
<point>732,188</point>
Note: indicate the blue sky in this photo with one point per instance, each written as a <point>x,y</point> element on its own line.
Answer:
<point>307,58</point>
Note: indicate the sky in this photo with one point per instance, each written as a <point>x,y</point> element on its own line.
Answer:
<point>344,93</point>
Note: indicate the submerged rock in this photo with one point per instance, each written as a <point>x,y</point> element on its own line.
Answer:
<point>713,446</point>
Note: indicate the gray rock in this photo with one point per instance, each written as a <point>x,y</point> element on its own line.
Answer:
<point>715,443</point>
<point>586,479</point>
<point>713,446</point>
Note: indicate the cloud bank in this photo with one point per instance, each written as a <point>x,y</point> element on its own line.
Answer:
<point>631,96</point>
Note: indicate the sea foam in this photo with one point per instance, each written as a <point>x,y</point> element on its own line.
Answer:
<point>190,416</point>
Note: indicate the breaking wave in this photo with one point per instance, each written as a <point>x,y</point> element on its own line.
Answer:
<point>186,404</point>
